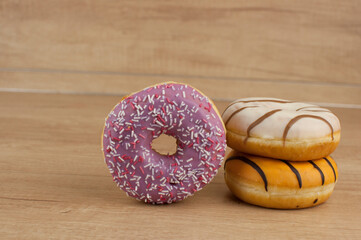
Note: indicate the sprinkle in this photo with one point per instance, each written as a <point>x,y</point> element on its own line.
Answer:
<point>168,101</point>
<point>159,123</point>
<point>115,139</point>
<point>209,107</point>
<point>160,118</point>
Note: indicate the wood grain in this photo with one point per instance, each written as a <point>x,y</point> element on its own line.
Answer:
<point>280,40</point>
<point>55,184</point>
<point>79,57</point>
<point>218,89</point>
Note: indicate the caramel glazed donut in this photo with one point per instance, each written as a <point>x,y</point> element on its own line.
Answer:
<point>174,109</point>
<point>281,129</point>
<point>280,184</point>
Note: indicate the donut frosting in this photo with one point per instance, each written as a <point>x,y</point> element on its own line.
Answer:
<point>281,173</point>
<point>280,184</point>
<point>174,109</point>
<point>279,119</point>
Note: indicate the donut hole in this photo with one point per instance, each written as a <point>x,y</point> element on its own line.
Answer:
<point>165,145</point>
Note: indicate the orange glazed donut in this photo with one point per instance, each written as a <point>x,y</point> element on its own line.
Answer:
<point>282,129</point>
<point>280,184</point>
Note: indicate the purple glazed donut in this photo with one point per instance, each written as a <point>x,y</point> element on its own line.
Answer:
<point>174,109</point>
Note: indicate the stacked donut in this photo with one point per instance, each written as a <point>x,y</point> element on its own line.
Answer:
<point>281,149</point>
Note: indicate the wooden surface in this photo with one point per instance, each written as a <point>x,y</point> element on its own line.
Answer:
<point>304,41</point>
<point>64,64</point>
<point>55,185</point>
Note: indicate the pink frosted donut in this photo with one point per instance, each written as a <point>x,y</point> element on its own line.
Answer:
<point>174,109</point>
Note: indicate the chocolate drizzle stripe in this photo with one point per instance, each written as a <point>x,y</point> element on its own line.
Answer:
<point>329,163</point>
<point>260,100</point>
<point>319,170</point>
<point>295,119</point>
<point>295,171</point>
<point>253,165</point>
<point>237,111</point>
<point>258,121</point>
<point>229,159</point>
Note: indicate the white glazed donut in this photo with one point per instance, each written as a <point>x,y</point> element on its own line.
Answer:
<point>283,129</point>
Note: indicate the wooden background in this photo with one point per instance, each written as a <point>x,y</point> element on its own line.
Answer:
<point>226,48</point>
<point>64,64</point>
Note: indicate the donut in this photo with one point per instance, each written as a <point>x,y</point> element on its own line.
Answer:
<point>281,184</point>
<point>281,129</point>
<point>174,109</point>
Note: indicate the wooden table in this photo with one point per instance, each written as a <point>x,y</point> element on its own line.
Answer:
<point>64,64</point>
<point>54,184</point>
